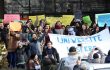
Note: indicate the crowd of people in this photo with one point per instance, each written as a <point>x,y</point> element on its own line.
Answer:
<point>32,49</point>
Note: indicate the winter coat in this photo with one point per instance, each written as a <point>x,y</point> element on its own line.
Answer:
<point>69,62</point>
<point>53,52</point>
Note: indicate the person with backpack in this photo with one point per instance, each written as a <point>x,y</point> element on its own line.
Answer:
<point>69,62</point>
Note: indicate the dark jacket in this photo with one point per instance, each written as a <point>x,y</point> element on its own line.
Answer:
<point>107,59</point>
<point>53,52</point>
<point>4,35</point>
<point>20,55</point>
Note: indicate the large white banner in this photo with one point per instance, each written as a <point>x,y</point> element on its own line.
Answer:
<point>63,42</point>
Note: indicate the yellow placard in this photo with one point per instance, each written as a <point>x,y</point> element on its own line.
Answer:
<point>53,20</point>
<point>15,26</point>
<point>40,17</point>
<point>66,20</point>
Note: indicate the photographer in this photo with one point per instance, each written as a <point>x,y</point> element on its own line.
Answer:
<point>96,56</point>
<point>20,53</point>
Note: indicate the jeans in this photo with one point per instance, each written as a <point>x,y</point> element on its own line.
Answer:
<point>22,66</point>
<point>11,59</point>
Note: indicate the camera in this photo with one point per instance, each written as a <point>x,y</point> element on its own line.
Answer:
<point>79,44</point>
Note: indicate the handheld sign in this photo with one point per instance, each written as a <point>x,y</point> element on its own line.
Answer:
<point>15,26</point>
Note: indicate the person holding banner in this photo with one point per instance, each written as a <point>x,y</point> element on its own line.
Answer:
<point>58,28</point>
<point>85,31</point>
<point>71,31</point>
<point>96,30</point>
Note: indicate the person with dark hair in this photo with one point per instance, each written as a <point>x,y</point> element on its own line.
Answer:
<point>50,57</point>
<point>42,23</point>
<point>69,62</point>
<point>82,66</point>
<point>14,36</point>
<point>96,56</point>
<point>96,30</point>
<point>66,30</point>
<point>4,34</point>
<point>58,28</point>
<point>107,59</point>
<point>35,46</point>
<point>33,63</point>
<point>20,52</point>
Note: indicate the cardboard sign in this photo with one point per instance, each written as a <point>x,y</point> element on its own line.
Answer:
<point>67,19</point>
<point>15,26</point>
<point>103,19</point>
<point>87,20</point>
<point>11,17</point>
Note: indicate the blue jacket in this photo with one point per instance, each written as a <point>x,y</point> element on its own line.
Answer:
<point>34,48</point>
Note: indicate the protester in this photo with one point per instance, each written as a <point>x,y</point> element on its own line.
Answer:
<point>71,31</point>
<point>66,30</point>
<point>4,34</point>
<point>78,28</point>
<point>50,57</point>
<point>58,28</point>
<point>34,46</point>
<point>47,30</point>
<point>12,49</point>
<point>84,31</point>
<point>29,24</point>
<point>69,62</point>
<point>42,23</point>
<point>20,53</point>
<point>96,30</point>
<point>33,63</point>
<point>96,56</point>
